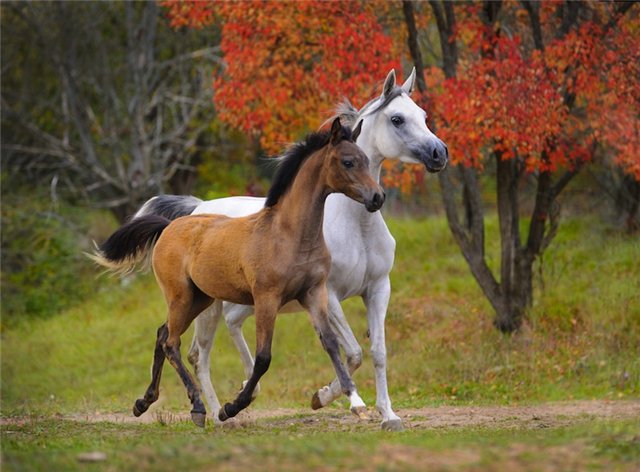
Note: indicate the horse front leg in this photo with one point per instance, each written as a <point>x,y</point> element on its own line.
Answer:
<point>266,311</point>
<point>351,348</point>
<point>199,355</point>
<point>316,302</point>
<point>376,300</point>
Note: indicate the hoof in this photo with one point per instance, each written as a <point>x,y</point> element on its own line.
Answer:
<point>140,407</point>
<point>222,415</point>
<point>315,402</point>
<point>392,425</point>
<point>360,412</point>
<point>198,418</point>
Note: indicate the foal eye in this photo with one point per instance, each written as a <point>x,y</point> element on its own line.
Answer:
<point>397,120</point>
<point>348,164</point>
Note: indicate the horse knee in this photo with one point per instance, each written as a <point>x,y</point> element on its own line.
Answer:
<point>193,356</point>
<point>379,357</point>
<point>354,358</point>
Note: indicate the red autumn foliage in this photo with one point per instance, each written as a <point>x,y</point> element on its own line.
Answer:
<point>288,63</point>
<point>511,100</point>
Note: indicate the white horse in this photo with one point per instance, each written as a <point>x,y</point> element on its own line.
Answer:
<point>361,246</point>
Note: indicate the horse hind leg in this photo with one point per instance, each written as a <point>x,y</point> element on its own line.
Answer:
<point>353,355</point>
<point>235,316</point>
<point>152,393</point>
<point>206,324</point>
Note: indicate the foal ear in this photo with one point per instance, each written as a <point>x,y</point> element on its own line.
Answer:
<point>389,83</point>
<point>356,132</point>
<point>337,134</point>
<point>410,84</point>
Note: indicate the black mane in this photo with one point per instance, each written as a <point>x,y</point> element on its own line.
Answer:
<point>292,159</point>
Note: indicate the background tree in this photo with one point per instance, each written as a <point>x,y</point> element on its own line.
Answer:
<point>528,100</point>
<point>105,102</point>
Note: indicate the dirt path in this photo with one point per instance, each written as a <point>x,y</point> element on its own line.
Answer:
<point>547,415</point>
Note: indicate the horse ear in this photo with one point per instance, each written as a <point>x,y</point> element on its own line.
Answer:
<point>336,132</point>
<point>410,84</point>
<point>389,83</point>
<point>356,132</point>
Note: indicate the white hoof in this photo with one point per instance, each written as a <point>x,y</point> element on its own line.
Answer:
<point>392,425</point>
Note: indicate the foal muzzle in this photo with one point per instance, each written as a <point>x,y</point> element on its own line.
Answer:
<point>374,203</point>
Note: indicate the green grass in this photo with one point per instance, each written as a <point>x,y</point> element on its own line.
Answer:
<point>56,445</point>
<point>580,341</point>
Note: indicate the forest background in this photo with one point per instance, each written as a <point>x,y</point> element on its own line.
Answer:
<point>517,268</point>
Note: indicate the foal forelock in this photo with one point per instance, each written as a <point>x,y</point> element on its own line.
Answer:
<point>290,162</point>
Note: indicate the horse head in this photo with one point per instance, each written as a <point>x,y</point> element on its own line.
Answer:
<point>399,129</point>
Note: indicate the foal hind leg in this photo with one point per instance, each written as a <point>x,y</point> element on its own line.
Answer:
<point>316,303</point>
<point>152,393</point>
<point>353,354</point>
<point>183,309</point>
<point>206,324</point>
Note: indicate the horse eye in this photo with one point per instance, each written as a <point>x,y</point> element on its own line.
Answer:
<point>348,164</point>
<point>397,120</point>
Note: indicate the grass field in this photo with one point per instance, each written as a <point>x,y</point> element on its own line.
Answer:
<point>580,342</point>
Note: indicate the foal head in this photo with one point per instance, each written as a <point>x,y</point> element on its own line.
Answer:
<point>348,168</point>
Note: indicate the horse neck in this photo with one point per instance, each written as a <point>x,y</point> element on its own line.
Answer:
<point>367,142</point>
<point>301,209</point>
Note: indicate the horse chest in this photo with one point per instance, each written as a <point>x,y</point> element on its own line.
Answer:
<point>360,255</point>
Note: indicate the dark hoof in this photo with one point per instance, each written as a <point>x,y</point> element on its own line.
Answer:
<point>315,402</point>
<point>140,407</point>
<point>392,425</point>
<point>198,418</point>
<point>223,416</point>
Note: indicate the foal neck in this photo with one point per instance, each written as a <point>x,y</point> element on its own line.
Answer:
<point>301,210</point>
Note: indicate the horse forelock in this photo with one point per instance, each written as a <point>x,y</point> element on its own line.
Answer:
<point>380,103</point>
<point>349,115</point>
<point>290,162</point>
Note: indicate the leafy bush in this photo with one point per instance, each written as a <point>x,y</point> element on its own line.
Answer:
<point>44,269</point>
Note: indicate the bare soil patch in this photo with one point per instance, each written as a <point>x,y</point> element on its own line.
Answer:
<point>547,415</point>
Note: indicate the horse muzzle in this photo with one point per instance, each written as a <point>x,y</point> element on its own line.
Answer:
<point>434,156</point>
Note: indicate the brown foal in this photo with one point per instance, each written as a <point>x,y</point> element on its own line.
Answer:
<point>267,259</point>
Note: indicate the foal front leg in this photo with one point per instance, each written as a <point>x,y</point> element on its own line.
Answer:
<point>316,303</point>
<point>266,311</point>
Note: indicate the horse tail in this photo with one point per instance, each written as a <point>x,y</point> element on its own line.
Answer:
<point>131,244</point>
<point>169,206</point>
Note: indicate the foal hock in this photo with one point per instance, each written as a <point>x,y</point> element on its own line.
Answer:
<point>267,259</point>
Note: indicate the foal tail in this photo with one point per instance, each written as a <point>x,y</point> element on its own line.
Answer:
<point>131,244</point>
